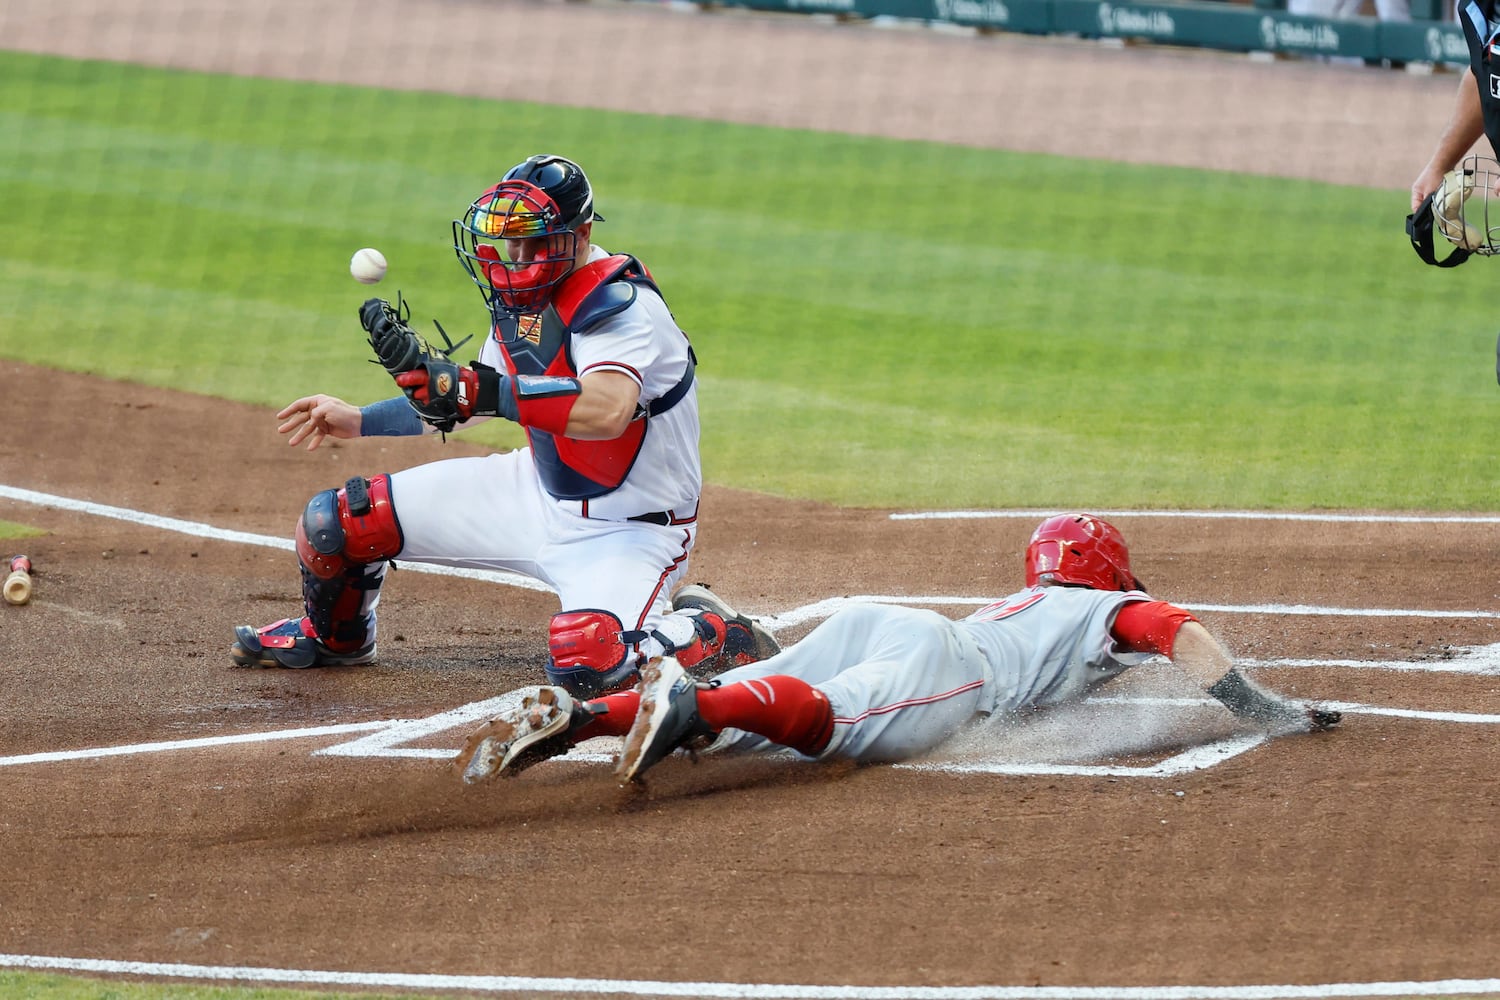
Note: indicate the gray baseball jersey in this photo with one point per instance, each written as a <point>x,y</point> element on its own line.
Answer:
<point>903,680</point>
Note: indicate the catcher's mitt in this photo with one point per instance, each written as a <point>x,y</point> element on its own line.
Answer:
<point>440,390</point>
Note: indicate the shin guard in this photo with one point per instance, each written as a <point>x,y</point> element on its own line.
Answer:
<point>344,539</point>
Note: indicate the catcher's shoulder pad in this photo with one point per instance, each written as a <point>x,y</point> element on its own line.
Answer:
<point>599,290</point>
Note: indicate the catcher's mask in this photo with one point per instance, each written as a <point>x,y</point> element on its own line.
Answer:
<point>1081,550</point>
<point>519,239</point>
<point>1459,210</point>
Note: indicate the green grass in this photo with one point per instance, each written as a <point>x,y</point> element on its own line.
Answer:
<point>10,529</point>
<point>879,323</point>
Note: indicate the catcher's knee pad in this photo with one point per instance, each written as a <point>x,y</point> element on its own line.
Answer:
<point>343,541</point>
<point>349,527</point>
<point>591,653</point>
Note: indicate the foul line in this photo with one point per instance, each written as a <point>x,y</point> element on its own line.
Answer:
<point>757,991</point>
<point>200,530</point>
<point>201,741</point>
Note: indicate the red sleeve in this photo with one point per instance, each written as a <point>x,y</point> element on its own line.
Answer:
<point>1149,626</point>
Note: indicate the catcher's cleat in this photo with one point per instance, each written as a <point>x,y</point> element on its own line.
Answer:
<point>743,641</point>
<point>667,718</point>
<point>291,643</point>
<point>544,726</point>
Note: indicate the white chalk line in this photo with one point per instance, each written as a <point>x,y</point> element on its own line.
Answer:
<point>1197,758</point>
<point>819,609</point>
<point>753,991</point>
<point>822,609</point>
<point>198,529</point>
<point>163,746</point>
<point>1476,660</point>
<point>1239,515</point>
<point>387,735</point>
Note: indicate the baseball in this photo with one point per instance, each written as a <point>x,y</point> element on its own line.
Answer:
<point>367,266</point>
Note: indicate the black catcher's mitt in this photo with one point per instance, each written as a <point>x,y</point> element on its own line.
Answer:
<point>431,380</point>
<point>396,344</point>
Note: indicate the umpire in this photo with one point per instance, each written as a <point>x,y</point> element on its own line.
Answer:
<point>1476,108</point>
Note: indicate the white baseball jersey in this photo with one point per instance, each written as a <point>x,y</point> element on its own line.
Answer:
<point>644,344</point>
<point>903,680</point>
<point>492,512</point>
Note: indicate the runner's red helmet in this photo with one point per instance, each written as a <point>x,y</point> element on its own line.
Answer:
<point>519,239</point>
<point>1082,550</point>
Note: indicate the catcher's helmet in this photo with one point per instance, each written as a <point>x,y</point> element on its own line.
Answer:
<point>1082,550</point>
<point>518,240</point>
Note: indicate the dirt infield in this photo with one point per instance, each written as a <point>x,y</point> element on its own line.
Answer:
<point>1363,856</point>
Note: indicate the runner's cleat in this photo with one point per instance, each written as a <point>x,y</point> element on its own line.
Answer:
<point>667,719</point>
<point>544,726</point>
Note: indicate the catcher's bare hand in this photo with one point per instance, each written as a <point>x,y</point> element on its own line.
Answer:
<point>313,418</point>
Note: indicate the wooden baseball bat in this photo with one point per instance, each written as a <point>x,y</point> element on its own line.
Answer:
<point>18,584</point>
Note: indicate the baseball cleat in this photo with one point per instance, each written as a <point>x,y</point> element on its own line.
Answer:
<point>744,640</point>
<point>667,718</point>
<point>291,643</point>
<point>543,727</point>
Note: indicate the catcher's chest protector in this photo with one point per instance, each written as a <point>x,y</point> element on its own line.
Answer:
<point>542,345</point>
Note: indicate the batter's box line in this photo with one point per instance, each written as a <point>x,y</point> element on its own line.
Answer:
<point>387,738</point>
<point>819,610</point>
<point>387,742</point>
<point>1210,515</point>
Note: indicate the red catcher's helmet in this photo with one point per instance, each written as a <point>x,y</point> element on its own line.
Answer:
<point>540,203</point>
<point>1082,550</point>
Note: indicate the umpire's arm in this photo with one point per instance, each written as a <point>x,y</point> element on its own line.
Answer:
<point>1464,128</point>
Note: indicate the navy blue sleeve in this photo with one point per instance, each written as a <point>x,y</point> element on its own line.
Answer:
<point>392,417</point>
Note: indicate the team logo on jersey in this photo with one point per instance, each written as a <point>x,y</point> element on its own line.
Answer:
<point>529,327</point>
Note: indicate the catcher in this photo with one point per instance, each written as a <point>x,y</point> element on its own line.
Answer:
<point>602,504</point>
<point>880,683</point>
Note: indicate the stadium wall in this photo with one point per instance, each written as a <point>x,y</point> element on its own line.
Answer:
<point>1259,27</point>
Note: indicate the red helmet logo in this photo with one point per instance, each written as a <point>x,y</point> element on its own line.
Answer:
<point>1082,550</point>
